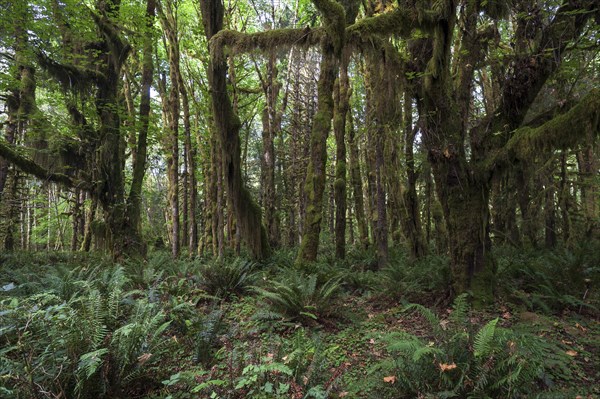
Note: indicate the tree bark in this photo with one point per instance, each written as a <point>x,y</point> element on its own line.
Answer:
<point>134,200</point>
<point>342,94</point>
<point>169,24</point>
<point>227,123</point>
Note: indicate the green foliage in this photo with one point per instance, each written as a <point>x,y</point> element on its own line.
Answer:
<point>415,279</point>
<point>224,278</point>
<point>460,361</point>
<point>552,281</point>
<point>86,334</point>
<point>300,296</point>
<point>206,337</point>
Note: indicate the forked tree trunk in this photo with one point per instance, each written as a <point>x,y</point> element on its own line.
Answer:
<point>227,123</point>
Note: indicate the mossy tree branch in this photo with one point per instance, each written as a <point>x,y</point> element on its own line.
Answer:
<point>239,42</point>
<point>563,131</point>
<point>400,22</point>
<point>28,166</point>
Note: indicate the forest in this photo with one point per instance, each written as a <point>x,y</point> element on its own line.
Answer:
<point>299,199</point>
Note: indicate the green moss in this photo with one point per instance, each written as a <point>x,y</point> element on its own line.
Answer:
<point>266,41</point>
<point>483,284</point>
<point>555,134</point>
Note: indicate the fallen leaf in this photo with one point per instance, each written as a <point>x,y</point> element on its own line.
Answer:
<point>144,358</point>
<point>506,315</point>
<point>582,328</point>
<point>390,379</point>
<point>446,367</point>
<point>343,394</point>
<point>371,341</point>
<point>571,353</point>
<point>444,324</point>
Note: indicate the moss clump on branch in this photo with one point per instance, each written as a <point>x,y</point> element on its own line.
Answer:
<point>238,42</point>
<point>30,167</point>
<point>401,22</point>
<point>563,131</point>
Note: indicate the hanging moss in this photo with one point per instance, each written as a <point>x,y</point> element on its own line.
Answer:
<point>29,166</point>
<point>239,43</point>
<point>563,131</point>
<point>401,22</point>
<point>496,9</point>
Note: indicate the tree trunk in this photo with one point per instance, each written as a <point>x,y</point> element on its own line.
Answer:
<point>190,155</point>
<point>316,173</point>
<point>271,122</point>
<point>227,123</point>
<point>134,200</point>
<point>342,94</point>
<point>412,218</point>
<point>357,186</point>
<point>588,165</point>
<point>169,24</point>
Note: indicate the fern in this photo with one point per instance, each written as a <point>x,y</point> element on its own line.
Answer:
<point>224,278</point>
<point>301,297</point>
<point>483,343</point>
<point>460,309</point>
<point>431,317</point>
<point>492,362</point>
<point>207,335</point>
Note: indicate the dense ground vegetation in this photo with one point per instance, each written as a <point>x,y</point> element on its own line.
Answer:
<point>299,198</point>
<point>82,326</point>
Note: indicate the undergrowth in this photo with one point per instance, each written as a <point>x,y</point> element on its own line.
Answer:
<point>79,326</point>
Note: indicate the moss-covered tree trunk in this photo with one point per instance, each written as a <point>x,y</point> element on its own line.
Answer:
<point>316,173</point>
<point>357,185</point>
<point>342,95</point>
<point>227,123</point>
<point>134,199</point>
<point>172,111</point>
<point>331,48</point>
<point>412,218</point>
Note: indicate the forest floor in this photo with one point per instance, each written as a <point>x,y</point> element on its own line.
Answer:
<point>74,325</point>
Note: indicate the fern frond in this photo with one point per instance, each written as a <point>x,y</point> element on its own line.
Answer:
<point>431,317</point>
<point>482,345</point>
<point>460,309</point>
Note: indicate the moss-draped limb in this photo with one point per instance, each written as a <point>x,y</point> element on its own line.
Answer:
<point>239,42</point>
<point>401,22</point>
<point>529,73</point>
<point>563,131</point>
<point>32,168</point>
